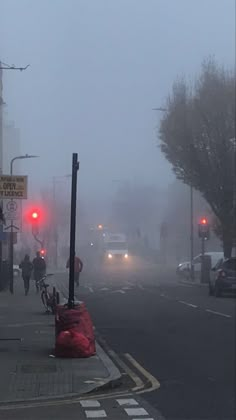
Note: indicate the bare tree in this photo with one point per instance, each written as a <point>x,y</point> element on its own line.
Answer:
<point>197,133</point>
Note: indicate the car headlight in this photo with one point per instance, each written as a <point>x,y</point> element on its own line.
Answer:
<point>126,256</point>
<point>109,256</point>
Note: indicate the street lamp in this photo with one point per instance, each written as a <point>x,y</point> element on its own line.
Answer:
<point>54,180</point>
<point>21,157</point>
<point>191,216</point>
<point>11,245</point>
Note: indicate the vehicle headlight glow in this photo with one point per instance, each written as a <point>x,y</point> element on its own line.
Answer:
<point>109,256</point>
<point>126,256</point>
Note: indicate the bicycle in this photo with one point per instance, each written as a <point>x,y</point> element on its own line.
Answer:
<point>49,300</point>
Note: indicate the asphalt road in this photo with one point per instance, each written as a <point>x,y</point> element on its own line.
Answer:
<point>179,334</point>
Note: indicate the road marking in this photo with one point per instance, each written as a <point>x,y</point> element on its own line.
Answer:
<point>187,304</point>
<point>141,287</point>
<point>136,412</point>
<point>90,289</point>
<point>138,382</point>
<point>90,403</point>
<point>74,399</point>
<point>95,414</point>
<point>218,313</point>
<point>127,401</point>
<point>104,289</point>
<point>118,291</point>
<point>155,384</point>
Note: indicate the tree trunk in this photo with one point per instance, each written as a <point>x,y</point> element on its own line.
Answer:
<point>227,237</point>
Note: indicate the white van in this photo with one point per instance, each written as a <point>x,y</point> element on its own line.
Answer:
<point>184,268</point>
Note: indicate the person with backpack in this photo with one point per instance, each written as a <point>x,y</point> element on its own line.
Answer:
<point>26,267</point>
<point>39,266</point>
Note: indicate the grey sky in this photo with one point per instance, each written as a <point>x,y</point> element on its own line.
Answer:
<point>97,69</point>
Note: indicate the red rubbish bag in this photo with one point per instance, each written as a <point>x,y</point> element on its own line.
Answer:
<point>74,332</point>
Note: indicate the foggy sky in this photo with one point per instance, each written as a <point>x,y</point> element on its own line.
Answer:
<point>97,68</point>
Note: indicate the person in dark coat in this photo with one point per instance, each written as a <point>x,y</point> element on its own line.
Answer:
<point>26,267</point>
<point>39,266</point>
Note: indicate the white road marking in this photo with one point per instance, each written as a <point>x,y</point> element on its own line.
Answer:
<point>188,304</point>
<point>126,288</point>
<point>127,401</point>
<point>95,414</point>
<point>149,418</point>
<point>118,291</point>
<point>141,287</point>
<point>90,289</point>
<point>218,313</point>
<point>136,412</point>
<point>90,403</point>
<point>104,289</point>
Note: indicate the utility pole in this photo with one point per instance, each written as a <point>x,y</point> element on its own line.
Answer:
<point>4,66</point>
<point>191,235</point>
<point>75,168</point>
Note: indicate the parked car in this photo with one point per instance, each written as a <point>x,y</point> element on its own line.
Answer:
<point>223,277</point>
<point>183,268</point>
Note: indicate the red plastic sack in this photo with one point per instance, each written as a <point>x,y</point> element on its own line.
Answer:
<point>72,344</point>
<point>77,328</point>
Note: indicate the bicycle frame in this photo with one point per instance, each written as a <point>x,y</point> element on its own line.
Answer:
<point>49,300</point>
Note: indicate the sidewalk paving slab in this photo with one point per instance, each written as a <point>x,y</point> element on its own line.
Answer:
<point>28,369</point>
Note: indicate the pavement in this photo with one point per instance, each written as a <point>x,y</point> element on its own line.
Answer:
<point>173,344</point>
<point>29,371</point>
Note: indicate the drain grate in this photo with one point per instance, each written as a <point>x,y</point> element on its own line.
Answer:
<point>38,369</point>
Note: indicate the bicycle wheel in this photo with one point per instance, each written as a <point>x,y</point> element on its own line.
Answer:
<point>53,300</point>
<point>44,298</point>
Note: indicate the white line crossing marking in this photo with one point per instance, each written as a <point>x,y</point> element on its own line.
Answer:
<point>136,412</point>
<point>91,289</point>
<point>127,401</point>
<point>118,291</point>
<point>218,313</point>
<point>149,418</point>
<point>188,304</point>
<point>90,403</point>
<point>95,414</point>
<point>104,289</point>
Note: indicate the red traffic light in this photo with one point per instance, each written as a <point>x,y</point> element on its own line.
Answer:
<point>34,215</point>
<point>203,221</point>
<point>43,252</point>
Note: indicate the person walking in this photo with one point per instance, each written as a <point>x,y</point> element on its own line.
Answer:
<point>78,267</point>
<point>26,267</point>
<point>39,266</point>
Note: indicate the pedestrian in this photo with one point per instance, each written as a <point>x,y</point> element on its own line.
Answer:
<point>39,266</point>
<point>26,267</point>
<point>78,267</point>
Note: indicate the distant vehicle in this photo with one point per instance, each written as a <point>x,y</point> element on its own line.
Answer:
<point>183,269</point>
<point>116,246</point>
<point>223,277</point>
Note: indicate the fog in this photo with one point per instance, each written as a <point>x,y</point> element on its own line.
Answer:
<point>97,70</point>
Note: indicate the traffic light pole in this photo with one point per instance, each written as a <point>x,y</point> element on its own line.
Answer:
<point>75,168</point>
<point>191,235</point>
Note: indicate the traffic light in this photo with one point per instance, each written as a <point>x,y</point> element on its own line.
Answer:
<point>34,218</point>
<point>100,227</point>
<point>204,228</point>
<point>43,252</point>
